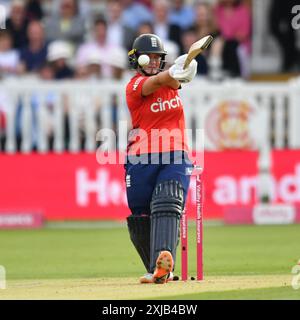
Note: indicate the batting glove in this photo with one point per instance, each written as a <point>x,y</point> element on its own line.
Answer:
<point>177,72</point>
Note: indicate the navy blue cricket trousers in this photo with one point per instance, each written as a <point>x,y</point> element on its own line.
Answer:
<point>141,178</point>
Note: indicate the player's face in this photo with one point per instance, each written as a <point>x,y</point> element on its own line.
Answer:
<point>153,66</point>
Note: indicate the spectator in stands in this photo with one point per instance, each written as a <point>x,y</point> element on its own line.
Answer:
<point>170,46</point>
<point>135,13</point>
<point>80,73</point>
<point>118,34</point>
<point>68,25</point>
<point>94,66</point>
<point>233,20</point>
<point>34,55</point>
<point>182,14</point>
<point>146,3</point>
<point>59,54</point>
<point>280,25</point>
<point>162,27</point>
<point>204,20</point>
<point>46,72</point>
<point>34,10</point>
<point>9,57</point>
<point>85,7</point>
<point>91,71</point>
<point>189,36</point>
<point>55,68</point>
<point>100,44</point>
<point>203,26</point>
<point>118,62</point>
<point>173,53</point>
<point>145,27</point>
<point>17,24</point>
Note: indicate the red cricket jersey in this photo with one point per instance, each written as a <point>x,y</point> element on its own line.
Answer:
<point>157,119</point>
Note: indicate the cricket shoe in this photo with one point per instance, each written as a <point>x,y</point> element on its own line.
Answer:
<point>148,278</point>
<point>170,277</point>
<point>164,265</point>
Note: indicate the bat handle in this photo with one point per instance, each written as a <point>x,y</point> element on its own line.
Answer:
<point>186,63</point>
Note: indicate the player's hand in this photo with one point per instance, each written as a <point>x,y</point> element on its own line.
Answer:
<point>181,60</point>
<point>177,72</point>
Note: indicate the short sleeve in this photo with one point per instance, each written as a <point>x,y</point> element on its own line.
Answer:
<point>134,88</point>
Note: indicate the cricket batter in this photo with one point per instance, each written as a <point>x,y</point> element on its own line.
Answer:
<point>157,181</point>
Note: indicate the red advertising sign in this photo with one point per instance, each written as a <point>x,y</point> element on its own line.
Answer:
<point>75,187</point>
<point>230,178</point>
<point>284,188</point>
<point>286,173</point>
<point>62,186</point>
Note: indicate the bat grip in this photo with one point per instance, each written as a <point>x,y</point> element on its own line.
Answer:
<point>186,63</point>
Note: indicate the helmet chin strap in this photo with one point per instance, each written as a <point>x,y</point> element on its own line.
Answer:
<point>146,73</point>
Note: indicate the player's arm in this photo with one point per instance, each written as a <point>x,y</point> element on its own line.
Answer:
<point>155,82</point>
<point>172,77</point>
<point>174,84</point>
<point>182,71</point>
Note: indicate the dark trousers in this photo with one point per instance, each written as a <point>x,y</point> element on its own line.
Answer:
<point>141,178</point>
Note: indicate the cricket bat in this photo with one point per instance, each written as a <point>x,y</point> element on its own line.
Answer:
<point>197,48</point>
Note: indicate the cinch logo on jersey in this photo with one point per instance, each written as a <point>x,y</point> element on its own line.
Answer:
<point>161,105</point>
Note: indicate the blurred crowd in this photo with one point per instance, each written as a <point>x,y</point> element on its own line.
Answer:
<point>89,39</point>
<point>281,15</point>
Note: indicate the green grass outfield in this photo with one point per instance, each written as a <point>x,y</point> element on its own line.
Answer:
<point>240,262</point>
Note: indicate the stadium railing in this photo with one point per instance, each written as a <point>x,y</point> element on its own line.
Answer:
<point>35,111</point>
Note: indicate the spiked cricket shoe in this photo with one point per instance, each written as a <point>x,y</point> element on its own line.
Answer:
<point>164,265</point>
